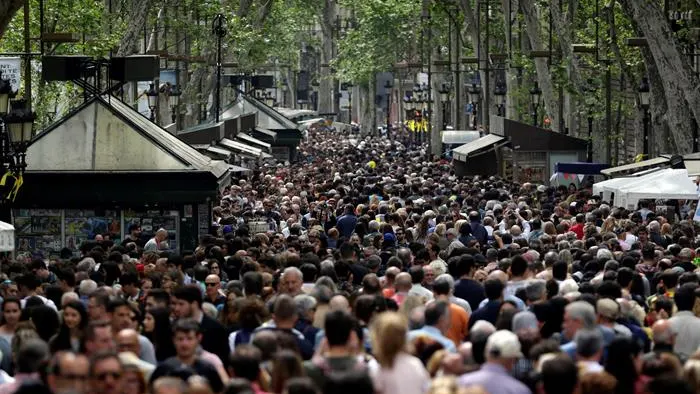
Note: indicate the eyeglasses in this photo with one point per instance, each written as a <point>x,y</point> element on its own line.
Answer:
<point>211,284</point>
<point>103,376</point>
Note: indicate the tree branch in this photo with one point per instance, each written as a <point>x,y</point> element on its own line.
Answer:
<point>8,9</point>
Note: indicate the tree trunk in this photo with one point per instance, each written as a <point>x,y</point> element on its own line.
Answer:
<point>368,114</point>
<point>8,9</point>
<point>679,84</point>
<point>544,78</point>
<point>128,45</point>
<point>325,96</point>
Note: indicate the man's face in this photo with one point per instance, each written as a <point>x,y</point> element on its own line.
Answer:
<point>128,343</point>
<point>213,286</point>
<point>103,340</point>
<point>182,309</point>
<point>121,318</point>
<point>186,343</point>
<point>429,275</point>
<point>72,377</point>
<point>42,273</point>
<point>107,377</point>
<point>12,290</point>
<point>95,310</point>
<point>570,326</point>
<point>292,283</point>
<point>643,237</point>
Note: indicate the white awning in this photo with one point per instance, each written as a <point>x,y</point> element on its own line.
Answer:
<point>465,150</point>
<point>634,167</point>
<point>246,139</point>
<point>7,237</point>
<point>243,148</point>
<point>459,136</point>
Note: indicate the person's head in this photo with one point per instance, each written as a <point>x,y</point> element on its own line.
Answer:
<point>578,315</point>
<point>252,283</point>
<point>685,297</point>
<point>187,302</point>
<point>285,366</point>
<point>33,354</point>
<point>157,298</point>
<point>339,326</point>
<point>97,305</point>
<point>624,362</point>
<point>437,314</point>
<point>98,337</point>
<point>186,337</point>
<point>119,312</point>
<point>403,282</point>
<point>503,347</point>
<point>493,289</point>
<point>388,333</point>
<point>589,344</point>
<point>559,375</point>
<point>245,362</point>
<point>75,315</point>
<point>11,311</point>
<point>68,373</point>
<point>292,280</point>
<point>106,373</point>
<point>169,385</point>
<point>285,311</point>
<point>128,341</point>
<point>662,333</point>
<point>213,285</point>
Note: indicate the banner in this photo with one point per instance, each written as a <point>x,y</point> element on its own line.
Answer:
<point>10,67</point>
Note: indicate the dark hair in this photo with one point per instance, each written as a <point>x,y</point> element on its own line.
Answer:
<point>251,313</point>
<point>620,363</point>
<point>559,375</point>
<point>186,326</point>
<point>115,303</point>
<point>286,365</point>
<point>162,332</point>
<point>559,270</point>
<point>245,362</point>
<point>61,341</point>
<point>348,382</point>
<point>189,294</point>
<point>10,300</point>
<point>493,289</point>
<point>417,274</point>
<point>434,312</point>
<point>159,295</point>
<point>301,385</point>
<point>252,283</point>
<point>101,356</point>
<point>338,326</point>
<point>518,266</point>
<point>45,320</point>
<point>129,278</point>
<point>685,297</point>
<point>465,264</point>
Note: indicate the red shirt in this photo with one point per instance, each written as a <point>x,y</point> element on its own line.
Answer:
<point>578,230</point>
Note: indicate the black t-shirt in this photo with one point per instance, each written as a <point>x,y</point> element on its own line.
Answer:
<point>173,366</point>
<point>470,291</point>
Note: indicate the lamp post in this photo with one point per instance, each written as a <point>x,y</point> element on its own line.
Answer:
<point>174,102</point>
<point>535,95</point>
<point>474,94</point>
<point>644,98</point>
<point>152,95</point>
<point>16,131</point>
<point>285,88</point>
<point>388,86</point>
<point>499,92</point>
<point>444,98</point>
<point>219,30</point>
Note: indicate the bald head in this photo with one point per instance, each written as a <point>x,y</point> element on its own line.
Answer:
<point>498,275</point>
<point>403,282</point>
<point>339,303</point>
<point>662,333</point>
<point>128,341</point>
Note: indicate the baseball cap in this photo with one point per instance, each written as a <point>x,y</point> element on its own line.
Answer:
<point>389,237</point>
<point>503,344</point>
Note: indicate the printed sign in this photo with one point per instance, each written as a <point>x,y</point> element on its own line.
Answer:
<point>10,67</point>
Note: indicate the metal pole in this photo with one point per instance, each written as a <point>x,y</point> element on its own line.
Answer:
<point>219,29</point>
<point>388,113</point>
<point>534,115</point>
<point>487,85</point>
<point>608,112</point>
<point>589,153</point>
<point>646,133</point>
<point>27,59</point>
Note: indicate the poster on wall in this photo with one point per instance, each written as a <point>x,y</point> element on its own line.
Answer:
<point>38,232</point>
<point>10,68</point>
<point>152,220</point>
<point>85,225</point>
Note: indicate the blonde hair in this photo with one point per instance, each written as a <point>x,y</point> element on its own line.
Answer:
<point>691,373</point>
<point>388,333</point>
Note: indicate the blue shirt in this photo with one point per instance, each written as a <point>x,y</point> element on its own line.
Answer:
<point>495,379</point>
<point>516,300</point>
<point>435,334</point>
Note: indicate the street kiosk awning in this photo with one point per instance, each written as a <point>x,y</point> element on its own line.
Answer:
<point>635,167</point>
<point>463,152</point>
<point>580,168</point>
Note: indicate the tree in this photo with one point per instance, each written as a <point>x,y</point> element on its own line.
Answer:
<point>8,9</point>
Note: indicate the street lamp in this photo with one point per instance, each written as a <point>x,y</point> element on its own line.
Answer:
<point>388,86</point>
<point>174,102</point>
<point>644,98</point>
<point>16,131</point>
<point>269,99</point>
<point>152,95</point>
<point>444,98</point>
<point>499,92</point>
<point>474,94</point>
<point>285,88</point>
<point>535,96</point>
<point>219,30</point>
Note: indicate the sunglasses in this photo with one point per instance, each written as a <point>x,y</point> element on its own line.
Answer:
<point>211,284</point>
<point>103,376</point>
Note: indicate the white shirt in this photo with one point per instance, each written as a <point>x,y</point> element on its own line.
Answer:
<point>47,302</point>
<point>406,376</point>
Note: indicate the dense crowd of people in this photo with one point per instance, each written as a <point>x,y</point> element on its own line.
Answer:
<point>365,268</point>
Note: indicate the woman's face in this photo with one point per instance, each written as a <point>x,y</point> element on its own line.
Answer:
<point>146,286</point>
<point>149,324</point>
<point>12,290</point>
<point>215,269</point>
<point>132,382</point>
<point>71,317</point>
<point>11,312</point>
